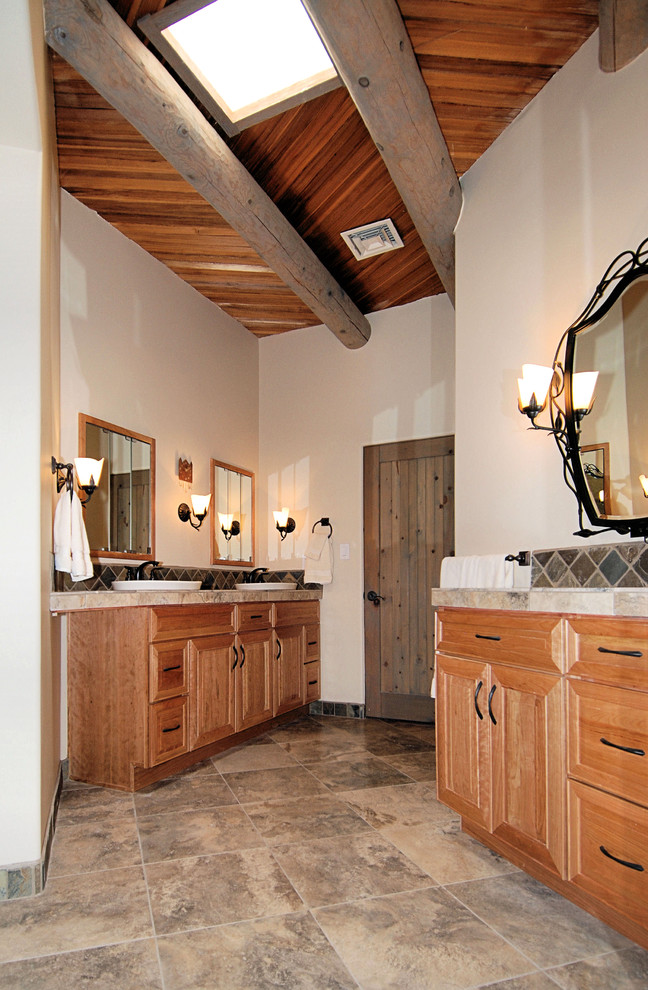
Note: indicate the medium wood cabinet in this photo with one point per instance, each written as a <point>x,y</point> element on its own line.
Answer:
<point>297,657</point>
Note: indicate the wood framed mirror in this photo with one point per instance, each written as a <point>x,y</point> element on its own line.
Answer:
<point>232,490</point>
<point>120,519</point>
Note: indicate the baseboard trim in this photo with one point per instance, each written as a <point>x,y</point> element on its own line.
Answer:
<point>28,879</point>
<point>342,709</point>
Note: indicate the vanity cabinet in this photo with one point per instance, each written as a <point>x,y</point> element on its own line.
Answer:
<point>297,654</point>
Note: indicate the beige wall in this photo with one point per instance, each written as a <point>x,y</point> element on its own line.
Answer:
<point>320,404</point>
<point>546,209</point>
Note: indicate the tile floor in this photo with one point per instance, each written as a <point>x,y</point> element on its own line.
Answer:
<point>313,857</point>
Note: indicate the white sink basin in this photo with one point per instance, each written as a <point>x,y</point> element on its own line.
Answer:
<point>156,586</point>
<point>267,586</point>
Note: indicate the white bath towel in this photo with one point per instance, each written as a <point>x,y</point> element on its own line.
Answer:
<point>477,571</point>
<point>318,567</point>
<point>71,549</point>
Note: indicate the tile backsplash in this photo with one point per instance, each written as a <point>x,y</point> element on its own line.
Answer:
<point>212,579</point>
<point>614,565</point>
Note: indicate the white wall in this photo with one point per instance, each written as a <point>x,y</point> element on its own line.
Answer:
<point>320,404</point>
<point>143,350</point>
<point>546,209</point>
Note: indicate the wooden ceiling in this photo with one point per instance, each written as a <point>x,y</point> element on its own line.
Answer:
<point>482,62</point>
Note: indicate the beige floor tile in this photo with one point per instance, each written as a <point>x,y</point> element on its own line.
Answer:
<point>95,845</point>
<point>130,966</point>
<point>534,981</point>
<point>281,821</point>
<point>251,786</point>
<point>419,941</point>
<point>325,746</point>
<point>80,804</point>
<point>182,794</point>
<point>261,757</point>
<point>382,739</point>
<point>623,970</point>
<point>76,913</point>
<point>547,928</point>
<point>446,853</point>
<point>344,868</point>
<point>405,804</point>
<point>216,890</point>
<point>200,832</point>
<point>418,766</point>
<point>289,952</point>
<point>355,771</point>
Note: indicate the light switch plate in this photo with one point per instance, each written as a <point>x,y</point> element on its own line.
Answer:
<point>344,551</point>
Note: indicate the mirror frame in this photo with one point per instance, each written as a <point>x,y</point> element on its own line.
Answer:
<point>621,273</point>
<point>214,559</point>
<point>123,554</point>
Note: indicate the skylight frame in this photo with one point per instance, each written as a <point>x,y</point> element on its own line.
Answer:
<point>153,26</point>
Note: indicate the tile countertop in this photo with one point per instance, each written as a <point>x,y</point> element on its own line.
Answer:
<point>584,601</point>
<point>74,601</point>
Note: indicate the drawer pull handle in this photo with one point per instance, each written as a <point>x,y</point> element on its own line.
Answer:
<point>631,866</point>
<point>626,749</point>
<point>178,666</point>
<point>242,656</point>
<point>173,728</point>
<point>621,653</point>
<point>312,642</point>
<point>256,616</point>
<point>310,683</point>
<point>483,636</point>
<point>490,699</point>
<point>478,689</point>
<point>235,658</point>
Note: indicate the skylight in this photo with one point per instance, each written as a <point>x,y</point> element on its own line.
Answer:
<point>247,55</point>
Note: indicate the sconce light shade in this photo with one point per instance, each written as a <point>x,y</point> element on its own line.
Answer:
<point>583,385</point>
<point>644,484</point>
<point>283,522</point>
<point>533,388</point>
<point>200,504</point>
<point>229,525</point>
<point>88,471</point>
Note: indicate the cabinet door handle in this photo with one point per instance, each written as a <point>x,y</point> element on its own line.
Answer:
<point>235,658</point>
<point>621,653</point>
<point>484,636</point>
<point>312,642</point>
<point>631,866</point>
<point>242,656</point>
<point>490,710</point>
<point>278,647</point>
<point>477,690</point>
<point>310,683</point>
<point>178,666</point>
<point>625,749</point>
<point>174,728</point>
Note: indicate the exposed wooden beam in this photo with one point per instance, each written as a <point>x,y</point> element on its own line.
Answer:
<point>95,40</point>
<point>623,32</point>
<point>372,52</point>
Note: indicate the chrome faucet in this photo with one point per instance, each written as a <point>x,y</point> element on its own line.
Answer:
<point>140,574</point>
<point>254,577</point>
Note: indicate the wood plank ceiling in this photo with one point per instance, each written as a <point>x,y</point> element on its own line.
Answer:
<point>482,61</point>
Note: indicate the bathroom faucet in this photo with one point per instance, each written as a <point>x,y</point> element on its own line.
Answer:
<point>254,577</point>
<point>141,575</point>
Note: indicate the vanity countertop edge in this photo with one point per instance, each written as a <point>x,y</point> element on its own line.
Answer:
<point>587,601</point>
<point>75,601</point>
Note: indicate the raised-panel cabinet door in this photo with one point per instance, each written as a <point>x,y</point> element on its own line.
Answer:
<point>254,687</point>
<point>212,664</point>
<point>463,750</point>
<point>289,663</point>
<point>524,710</point>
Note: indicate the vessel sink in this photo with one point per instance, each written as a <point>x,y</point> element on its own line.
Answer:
<point>267,586</point>
<point>156,586</point>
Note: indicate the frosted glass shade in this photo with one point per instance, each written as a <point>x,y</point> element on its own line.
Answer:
<point>88,471</point>
<point>200,504</point>
<point>583,384</point>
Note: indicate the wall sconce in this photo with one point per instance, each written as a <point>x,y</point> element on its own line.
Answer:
<point>644,484</point>
<point>229,525</point>
<point>88,472</point>
<point>538,384</point>
<point>199,509</point>
<point>283,522</point>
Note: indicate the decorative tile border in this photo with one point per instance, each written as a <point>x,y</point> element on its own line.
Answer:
<point>211,579</point>
<point>613,565</point>
<point>28,879</point>
<point>341,709</point>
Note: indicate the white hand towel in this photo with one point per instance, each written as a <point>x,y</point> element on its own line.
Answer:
<point>71,549</point>
<point>319,560</point>
<point>477,571</point>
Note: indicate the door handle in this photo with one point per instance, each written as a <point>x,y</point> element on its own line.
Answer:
<point>375,598</point>
<point>477,690</point>
<point>490,704</point>
<point>235,657</point>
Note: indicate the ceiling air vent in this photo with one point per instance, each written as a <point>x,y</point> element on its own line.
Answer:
<point>373,238</point>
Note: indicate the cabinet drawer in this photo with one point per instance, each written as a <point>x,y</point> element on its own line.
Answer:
<point>612,650</point>
<point>168,670</point>
<point>602,827</point>
<point>608,738</point>
<point>531,640</point>
<point>311,681</point>
<point>176,621</point>
<point>254,615</point>
<point>312,643</point>
<point>167,730</point>
<point>296,613</point>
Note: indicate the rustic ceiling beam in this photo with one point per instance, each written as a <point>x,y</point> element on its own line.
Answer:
<point>623,32</point>
<point>92,37</point>
<point>372,52</point>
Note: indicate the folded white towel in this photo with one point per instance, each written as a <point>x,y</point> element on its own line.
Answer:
<point>318,568</point>
<point>71,548</point>
<point>477,571</point>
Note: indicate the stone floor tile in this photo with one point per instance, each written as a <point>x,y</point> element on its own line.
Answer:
<point>344,868</point>
<point>288,951</point>
<point>95,845</point>
<point>325,746</point>
<point>80,804</point>
<point>533,981</point>
<point>198,832</point>
<point>418,766</point>
<point>355,771</point>
<point>251,786</point>
<point>267,756</point>
<point>446,853</point>
<point>129,966</point>
<point>419,940</point>
<point>405,804</point>
<point>281,821</point>
<point>217,890</point>
<point>183,794</point>
<point>626,969</point>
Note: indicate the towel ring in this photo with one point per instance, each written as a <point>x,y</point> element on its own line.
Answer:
<point>324,521</point>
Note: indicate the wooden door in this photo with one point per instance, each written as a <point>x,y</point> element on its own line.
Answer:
<point>528,767</point>
<point>408,529</point>
<point>254,687</point>
<point>463,739</point>
<point>212,680</point>
<point>289,664</point>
